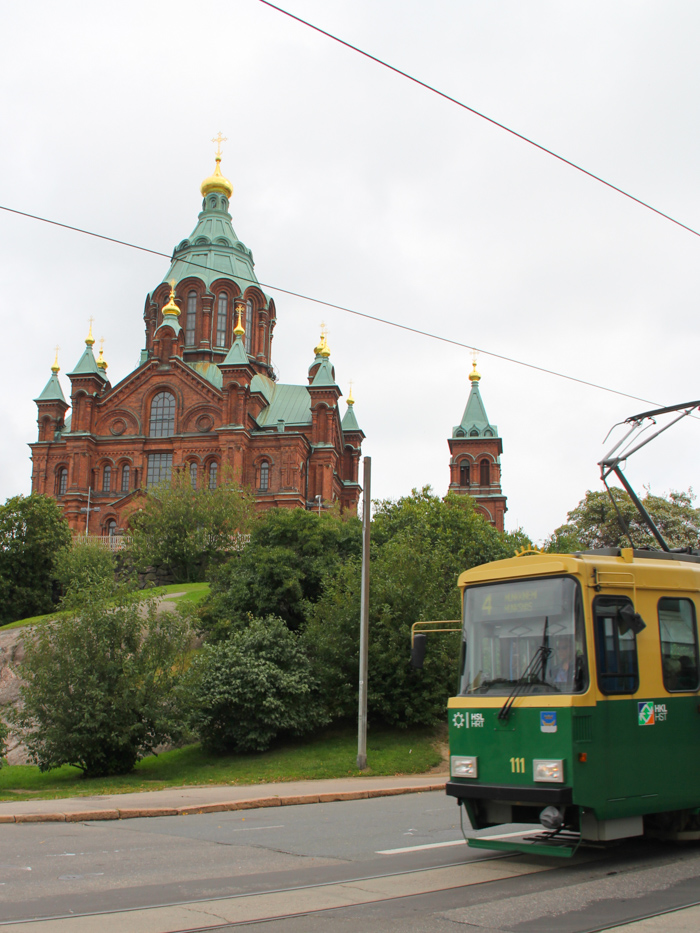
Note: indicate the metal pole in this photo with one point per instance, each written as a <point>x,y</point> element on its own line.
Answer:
<point>87,514</point>
<point>364,619</point>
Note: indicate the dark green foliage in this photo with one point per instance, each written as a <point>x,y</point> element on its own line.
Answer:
<point>249,689</point>
<point>188,530</point>
<point>101,683</point>
<point>282,570</point>
<point>594,522</point>
<point>3,736</point>
<point>33,532</point>
<point>420,545</point>
<point>83,566</point>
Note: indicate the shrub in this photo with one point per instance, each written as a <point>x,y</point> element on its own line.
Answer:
<point>83,566</point>
<point>247,690</point>
<point>101,683</point>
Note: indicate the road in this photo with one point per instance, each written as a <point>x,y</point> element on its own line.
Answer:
<point>382,864</point>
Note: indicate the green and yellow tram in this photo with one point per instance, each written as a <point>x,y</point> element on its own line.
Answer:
<point>578,697</point>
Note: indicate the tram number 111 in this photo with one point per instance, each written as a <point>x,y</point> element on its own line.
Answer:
<point>517,765</point>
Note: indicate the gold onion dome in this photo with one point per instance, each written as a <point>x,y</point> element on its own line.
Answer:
<point>171,308</point>
<point>474,376</point>
<point>322,348</point>
<point>101,361</point>
<point>90,340</point>
<point>239,329</point>
<point>351,400</point>
<point>217,182</point>
<point>55,368</point>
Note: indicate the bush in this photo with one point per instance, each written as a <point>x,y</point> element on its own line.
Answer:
<point>33,532</point>
<point>84,566</point>
<point>247,690</point>
<point>101,683</point>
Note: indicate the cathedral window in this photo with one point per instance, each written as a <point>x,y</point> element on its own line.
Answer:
<point>221,316</point>
<point>107,478</point>
<point>249,326</point>
<point>126,476</point>
<point>191,319</point>
<point>264,483</point>
<point>213,470</point>
<point>62,481</point>
<point>193,475</point>
<point>111,527</point>
<point>159,468</point>
<point>464,473</point>
<point>485,471</point>
<point>163,415</point>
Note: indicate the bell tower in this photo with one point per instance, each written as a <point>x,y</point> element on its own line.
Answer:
<point>475,458</point>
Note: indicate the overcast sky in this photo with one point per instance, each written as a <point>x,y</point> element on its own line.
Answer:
<point>356,186</point>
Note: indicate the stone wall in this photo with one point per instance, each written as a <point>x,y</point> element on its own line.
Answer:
<point>11,654</point>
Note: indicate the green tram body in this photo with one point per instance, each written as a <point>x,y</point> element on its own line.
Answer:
<point>612,747</point>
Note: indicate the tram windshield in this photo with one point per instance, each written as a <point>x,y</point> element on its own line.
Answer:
<point>530,632</point>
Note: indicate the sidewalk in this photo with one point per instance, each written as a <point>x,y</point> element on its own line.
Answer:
<point>186,801</point>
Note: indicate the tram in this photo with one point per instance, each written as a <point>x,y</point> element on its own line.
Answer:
<point>578,706</point>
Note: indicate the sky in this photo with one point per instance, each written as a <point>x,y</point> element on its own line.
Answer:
<point>356,186</point>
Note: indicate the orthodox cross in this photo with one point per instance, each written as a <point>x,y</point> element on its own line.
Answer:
<point>218,139</point>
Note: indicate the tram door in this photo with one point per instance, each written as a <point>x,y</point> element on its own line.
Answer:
<point>618,679</point>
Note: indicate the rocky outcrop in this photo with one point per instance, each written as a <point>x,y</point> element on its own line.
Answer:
<point>11,654</point>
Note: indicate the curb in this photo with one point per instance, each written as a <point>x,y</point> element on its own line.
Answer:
<point>253,803</point>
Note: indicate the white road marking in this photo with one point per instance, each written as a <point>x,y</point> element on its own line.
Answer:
<point>253,829</point>
<point>431,845</point>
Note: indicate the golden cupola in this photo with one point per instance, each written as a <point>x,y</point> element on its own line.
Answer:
<point>217,182</point>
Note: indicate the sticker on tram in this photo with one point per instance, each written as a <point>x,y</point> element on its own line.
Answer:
<point>645,713</point>
<point>459,720</point>
<point>548,721</point>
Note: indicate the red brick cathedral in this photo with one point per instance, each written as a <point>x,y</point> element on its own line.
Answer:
<point>204,399</point>
<point>475,461</point>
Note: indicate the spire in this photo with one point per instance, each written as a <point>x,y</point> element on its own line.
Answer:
<point>216,182</point>
<point>237,354</point>
<point>239,329</point>
<point>349,422</point>
<point>171,312</point>
<point>90,340</point>
<point>55,368</point>
<point>475,418</point>
<point>86,365</point>
<point>52,391</point>
<point>101,361</point>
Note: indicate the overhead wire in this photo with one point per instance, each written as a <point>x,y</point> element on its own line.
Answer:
<point>483,116</point>
<point>336,307</point>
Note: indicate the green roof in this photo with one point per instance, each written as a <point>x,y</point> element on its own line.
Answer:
<point>236,355</point>
<point>213,251</point>
<point>475,418</point>
<point>349,422</point>
<point>208,371</point>
<point>291,404</point>
<point>324,374</point>
<point>87,366</point>
<point>52,391</point>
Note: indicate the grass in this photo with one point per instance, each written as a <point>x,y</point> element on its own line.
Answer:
<point>191,593</point>
<point>331,754</point>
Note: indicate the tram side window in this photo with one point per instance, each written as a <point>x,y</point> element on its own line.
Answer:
<point>616,647</point>
<point>679,644</point>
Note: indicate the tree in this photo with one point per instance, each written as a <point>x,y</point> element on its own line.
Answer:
<point>252,687</point>
<point>594,522</point>
<point>82,567</point>
<point>282,570</point>
<point>188,529</point>
<point>33,533</point>
<point>420,545</point>
<point>100,687</point>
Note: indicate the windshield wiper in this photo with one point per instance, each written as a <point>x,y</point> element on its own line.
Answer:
<point>533,673</point>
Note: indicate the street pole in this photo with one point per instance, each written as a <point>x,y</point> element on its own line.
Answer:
<point>364,619</point>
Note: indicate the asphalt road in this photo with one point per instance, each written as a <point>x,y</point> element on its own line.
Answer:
<point>382,864</point>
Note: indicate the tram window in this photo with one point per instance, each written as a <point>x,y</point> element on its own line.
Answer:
<point>679,644</point>
<point>616,646</point>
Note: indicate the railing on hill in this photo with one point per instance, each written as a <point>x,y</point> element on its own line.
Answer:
<point>113,542</point>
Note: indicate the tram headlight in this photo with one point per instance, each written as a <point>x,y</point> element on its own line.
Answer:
<point>548,769</point>
<point>464,767</point>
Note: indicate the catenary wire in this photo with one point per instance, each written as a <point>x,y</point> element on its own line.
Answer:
<point>483,116</point>
<point>336,307</point>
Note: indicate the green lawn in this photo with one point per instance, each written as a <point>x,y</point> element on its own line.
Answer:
<point>191,593</point>
<point>332,754</point>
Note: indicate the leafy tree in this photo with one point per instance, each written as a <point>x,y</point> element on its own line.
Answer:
<point>100,687</point>
<point>33,533</point>
<point>252,687</point>
<point>83,566</point>
<point>594,522</point>
<point>282,570</point>
<point>186,528</point>
<point>420,545</point>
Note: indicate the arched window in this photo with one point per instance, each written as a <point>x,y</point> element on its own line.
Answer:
<point>193,475</point>
<point>126,476</point>
<point>464,473</point>
<point>191,319</point>
<point>221,316</point>
<point>213,469</point>
<point>111,527</point>
<point>163,415</point>
<point>249,326</point>
<point>62,481</point>
<point>107,478</point>
<point>485,471</point>
<point>264,484</point>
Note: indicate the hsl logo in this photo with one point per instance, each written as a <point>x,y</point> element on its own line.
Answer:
<point>645,712</point>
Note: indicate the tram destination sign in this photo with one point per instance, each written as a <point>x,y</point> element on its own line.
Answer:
<point>530,600</point>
